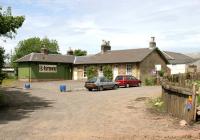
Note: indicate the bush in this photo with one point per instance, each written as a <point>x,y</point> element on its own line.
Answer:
<point>150,81</point>
<point>157,104</point>
<point>161,73</point>
<point>92,72</point>
<point>2,76</point>
<point>107,72</point>
<point>3,100</point>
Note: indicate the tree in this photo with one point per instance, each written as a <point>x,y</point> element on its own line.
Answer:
<point>8,28</point>
<point>80,52</point>
<point>8,23</point>
<point>91,72</point>
<point>34,44</point>
<point>107,72</point>
<point>2,57</point>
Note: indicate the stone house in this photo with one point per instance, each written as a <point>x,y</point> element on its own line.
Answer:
<point>140,62</point>
<point>194,66</point>
<point>178,62</point>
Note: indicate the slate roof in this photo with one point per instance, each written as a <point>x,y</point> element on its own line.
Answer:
<point>177,58</point>
<point>40,57</point>
<point>115,56</point>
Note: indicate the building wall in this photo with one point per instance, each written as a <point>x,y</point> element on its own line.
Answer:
<point>25,70</point>
<point>135,69</point>
<point>196,63</point>
<point>178,68</point>
<point>147,66</point>
<point>122,69</point>
<point>78,70</point>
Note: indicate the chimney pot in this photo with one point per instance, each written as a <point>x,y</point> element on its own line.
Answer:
<point>152,39</point>
<point>44,50</point>
<point>152,43</point>
<point>105,46</point>
<point>70,51</point>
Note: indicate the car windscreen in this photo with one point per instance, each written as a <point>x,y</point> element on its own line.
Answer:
<point>93,80</point>
<point>119,78</point>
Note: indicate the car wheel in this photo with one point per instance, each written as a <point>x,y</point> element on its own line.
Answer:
<point>127,85</point>
<point>115,87</point>
<point>90,89</point>
<point>100,88</point>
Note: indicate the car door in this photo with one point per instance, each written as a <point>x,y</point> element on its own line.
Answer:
<point>102,82</point>
<point>110,84</point>
<point>134,81</point>
<point>129,80</point>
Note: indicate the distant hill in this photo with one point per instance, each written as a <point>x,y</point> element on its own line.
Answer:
<point>194,55</point>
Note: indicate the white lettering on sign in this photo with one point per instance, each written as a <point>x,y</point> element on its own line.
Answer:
<point>47,68</point>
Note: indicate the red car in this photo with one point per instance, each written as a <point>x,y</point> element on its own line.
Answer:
<point>127,81</point>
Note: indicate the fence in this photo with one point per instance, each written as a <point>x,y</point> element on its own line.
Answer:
<point>179,93</point>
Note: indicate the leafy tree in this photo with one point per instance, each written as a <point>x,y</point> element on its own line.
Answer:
<point>92,72</point>
<point>8,23</point>
<point>8,28</point>
<point>80,52</point>
<point>107,72</point>
<point>2,57</point>
<point>34,44</point>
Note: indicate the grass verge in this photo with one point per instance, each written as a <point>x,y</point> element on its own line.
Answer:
<point>156,104</point>
<point>8,82</point>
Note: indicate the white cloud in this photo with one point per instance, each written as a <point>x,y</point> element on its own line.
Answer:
<point>126,23</point>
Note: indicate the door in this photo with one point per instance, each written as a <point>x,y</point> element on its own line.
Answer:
<point>75,73</point>
<point>115,72</point>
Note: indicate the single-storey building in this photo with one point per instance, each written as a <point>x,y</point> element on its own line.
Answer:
<point>140,63</point>
<point>177,62</point>
<point>8,70</point>
<point>44,66</point>
<point>194,66</point>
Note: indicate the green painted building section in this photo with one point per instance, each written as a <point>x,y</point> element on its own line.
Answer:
<point>30,71</point>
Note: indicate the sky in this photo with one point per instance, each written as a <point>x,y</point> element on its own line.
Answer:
<point>127,24</point>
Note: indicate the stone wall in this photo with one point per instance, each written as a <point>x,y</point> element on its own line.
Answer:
<point>148,64</point>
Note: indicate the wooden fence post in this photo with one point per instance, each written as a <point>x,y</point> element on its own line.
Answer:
<point>194,100</point>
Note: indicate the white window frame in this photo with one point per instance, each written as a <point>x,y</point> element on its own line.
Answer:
<point>129,69</point>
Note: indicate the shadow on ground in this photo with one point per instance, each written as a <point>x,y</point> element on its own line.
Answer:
<point>17,104</point>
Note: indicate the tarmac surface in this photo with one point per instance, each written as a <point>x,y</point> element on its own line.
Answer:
<point>44,113</point>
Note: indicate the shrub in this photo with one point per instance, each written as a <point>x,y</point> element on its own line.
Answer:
<point>92,72</point>
<point>2,76</point>
<point>107,72</point>
<point>150,81</point>
<point>161,73</point>
<point>3,100</point>
<point>156,104</point>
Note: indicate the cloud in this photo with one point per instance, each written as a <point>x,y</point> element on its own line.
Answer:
<point>126,23</point>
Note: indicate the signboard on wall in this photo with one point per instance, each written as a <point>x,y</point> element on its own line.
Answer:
<point>158,67</point>
<point>48,68</point>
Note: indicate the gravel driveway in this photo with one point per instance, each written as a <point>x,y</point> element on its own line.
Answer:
<point>45,114</point>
